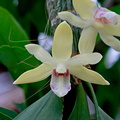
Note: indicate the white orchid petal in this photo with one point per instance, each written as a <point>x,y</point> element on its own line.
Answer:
<point>85,8</point>
<point>60,85</point>
<point>34,75</point>
<point>87,75</point>
<point>106,17</point>
<point>73,19</point>
<point>85,58</point>
<point>110,40</point>
<point>111,17</point>
<point>112,29</point>
<point>40,53</point>
<point>45,41</point>
<point>62,43</point>
<point>111,53</point>
<point>87,40</point>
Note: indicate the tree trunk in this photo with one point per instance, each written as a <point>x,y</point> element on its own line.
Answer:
<point>55,6</point>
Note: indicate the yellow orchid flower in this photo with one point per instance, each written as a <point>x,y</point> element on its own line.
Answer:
<point>94,19</point>
<point>60,65</point>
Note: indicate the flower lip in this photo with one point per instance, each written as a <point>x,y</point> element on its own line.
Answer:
<point>61,74</point>
<point>60,83</point>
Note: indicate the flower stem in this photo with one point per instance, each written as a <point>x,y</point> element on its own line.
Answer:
<point>95,101</point>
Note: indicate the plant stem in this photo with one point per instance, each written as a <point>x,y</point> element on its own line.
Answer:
<point>95,101</point>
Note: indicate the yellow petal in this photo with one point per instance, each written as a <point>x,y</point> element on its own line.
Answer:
<point>62,43</point>
<point>110,40</point>
<point>73,19</point>
<point>34,75</point>
<point>85,8</point>
<point>40,53</point>
<point>87,40</point>
<point>84,59</point>
<point>87,75</point>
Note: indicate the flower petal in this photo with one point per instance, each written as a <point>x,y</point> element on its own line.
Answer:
<point>85,8</point>
<point>84,59</point>
<point>60,84</point>
<point>113,29</point>
<point>62,43</point>
<point>73,19</point>
<point>111,53</point>
<point>87,75</point>
<point>110,40</point>
<point>34,75</point>
<point>40,53</point>
<point>108,17</point>
<point>87,40</point>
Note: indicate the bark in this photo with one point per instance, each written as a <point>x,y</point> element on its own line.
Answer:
<point>55,6</point>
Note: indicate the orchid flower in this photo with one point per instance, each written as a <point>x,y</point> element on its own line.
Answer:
<point>94,19</point>
<point>60,65</point>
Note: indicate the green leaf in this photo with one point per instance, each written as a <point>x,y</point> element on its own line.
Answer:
<point>8,112</point>
<point>8,5</point>
<point>4,117</point>
<point>20,106</point>
<point>12,41</point>
<point>103,115</point>
<point>80,110</point>
<point>48,107</point>
<point>12,51</point>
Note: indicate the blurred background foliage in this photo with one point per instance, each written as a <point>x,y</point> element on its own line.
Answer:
<point>32,16</point>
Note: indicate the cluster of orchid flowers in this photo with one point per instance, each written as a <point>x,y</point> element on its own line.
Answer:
<point>92,19</point>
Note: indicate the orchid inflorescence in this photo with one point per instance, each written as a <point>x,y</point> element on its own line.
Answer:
<point>60,64</point>
<point>93,20</point>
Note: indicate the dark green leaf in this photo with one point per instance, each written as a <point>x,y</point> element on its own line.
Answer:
<point>103,115</point>
<point>8,112</point>
<point>8,5</point>
<point>12,51</point>
<point>12,41</point>
<point>4,117</point>
<point>48,107</point>
<point>80,110</point>
<point>21,106</point>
